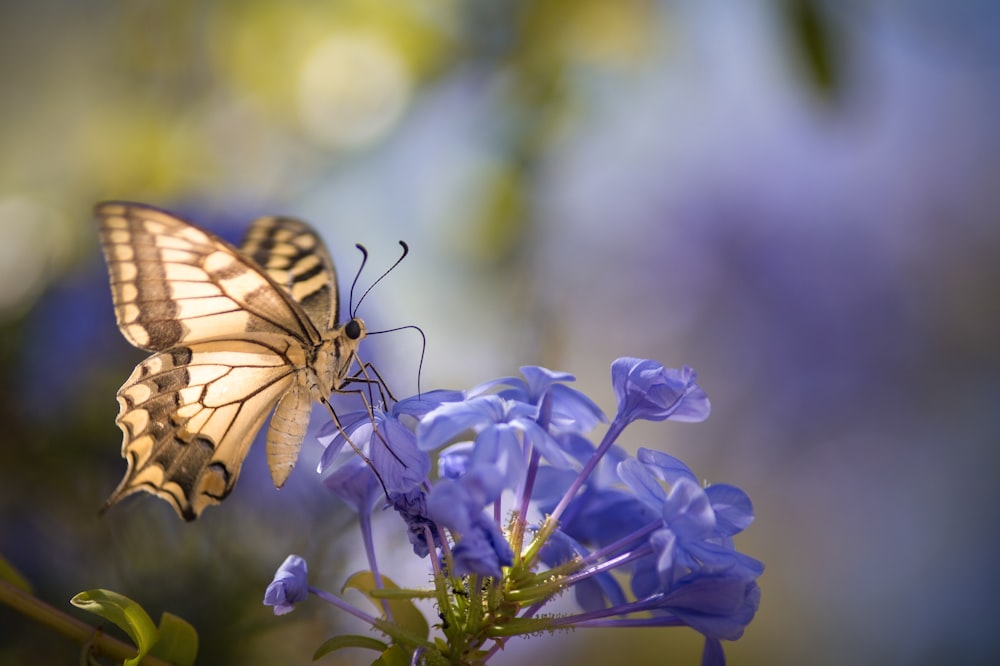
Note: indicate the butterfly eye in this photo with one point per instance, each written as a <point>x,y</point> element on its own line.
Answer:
<point>353,329</point>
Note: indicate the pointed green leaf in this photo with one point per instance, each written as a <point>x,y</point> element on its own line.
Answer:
<point>125,613</point>
<point>405,614</point>
<point>178,642</point>
<point>349,641</point>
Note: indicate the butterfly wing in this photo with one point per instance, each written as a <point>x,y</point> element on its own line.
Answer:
<point>190,414</point>
<point>173,283</point>
<point>294,257</point>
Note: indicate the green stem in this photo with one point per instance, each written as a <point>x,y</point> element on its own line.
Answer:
<point>69,626</point>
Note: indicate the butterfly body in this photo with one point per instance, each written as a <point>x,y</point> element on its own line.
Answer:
<point>236,334</point>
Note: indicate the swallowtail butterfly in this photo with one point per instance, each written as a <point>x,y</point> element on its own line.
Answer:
<point>235,335</point>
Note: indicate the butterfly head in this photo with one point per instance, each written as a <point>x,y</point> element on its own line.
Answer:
<point>355,329</point>
<point>339,349</point>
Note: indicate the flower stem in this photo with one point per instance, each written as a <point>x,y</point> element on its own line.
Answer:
<point>365,523</point>
<point>614,430</point>
<point>552,520</point>
<point>520,518</point>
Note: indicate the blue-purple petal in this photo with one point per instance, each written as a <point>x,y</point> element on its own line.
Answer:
<point>419,405</point>
<point>448,505</point>
<point>449,420</point>
<point>645,486</point>
<point>499,448</point>
<point>544,443</point>
<point>647,390</point>
<point>289,586</point>
<point>719,607</point>
<point>733,508</point>
<point>455,460</point>
<point>355,483</point>
<point>665,466</point>
<point>395,455</point>
<point>688,511</point>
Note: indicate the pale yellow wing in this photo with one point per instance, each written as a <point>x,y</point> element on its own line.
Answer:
<point>190,414</point>
<point>173,283</point>
<point>295,258</point>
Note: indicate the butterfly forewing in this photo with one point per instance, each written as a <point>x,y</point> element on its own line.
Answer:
<point>174,283</point>
<point>238,332</point>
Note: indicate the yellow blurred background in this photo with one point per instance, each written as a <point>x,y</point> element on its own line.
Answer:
<point>799,198</point>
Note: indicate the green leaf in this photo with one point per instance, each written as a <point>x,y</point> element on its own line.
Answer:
<point>349,641</point>
<point>14,577</point>
<point>405,614</point>
<point>178,642</point>
<point>123,612</point>
<point>394,656</point>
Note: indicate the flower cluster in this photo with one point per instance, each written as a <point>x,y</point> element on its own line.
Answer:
<point>521,507</point>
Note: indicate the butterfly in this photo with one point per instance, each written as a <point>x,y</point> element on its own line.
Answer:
<point>236,334</point>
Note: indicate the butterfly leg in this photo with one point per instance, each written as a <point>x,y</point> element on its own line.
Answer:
<point>347,438</point>
<point>362,377</point>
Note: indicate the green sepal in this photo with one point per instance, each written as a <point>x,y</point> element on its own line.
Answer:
<point>518,626</point>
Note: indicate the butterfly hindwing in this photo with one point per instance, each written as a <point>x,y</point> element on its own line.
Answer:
<point>295,258</point>
<point>190,414</point>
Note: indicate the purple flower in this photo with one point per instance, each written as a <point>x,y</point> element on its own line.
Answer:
<point>357,426</point>
<point>455,460</point>
<point>497,423</point>
<point>717,606</point>
<point>607,515</point>
<point>482,549</point>
<point>412,508</point>
<point>562,409</point>
<point>395,467</point>
<point>418,405</point>
<point>458,505</point>
<point>289,586</point>
<point>647,390</point>
<point>355,483</point>
<point>592,592</point>
<point>391,448</point>
<point>696,536</point>
<point>600,516</point>
<point>537,410</point>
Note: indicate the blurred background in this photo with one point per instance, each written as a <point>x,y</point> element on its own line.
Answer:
<point>799,198</point>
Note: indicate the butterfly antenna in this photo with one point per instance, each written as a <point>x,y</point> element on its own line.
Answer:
<point>406,251</point>
<point>423,346</point>
<point>364,260</point>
